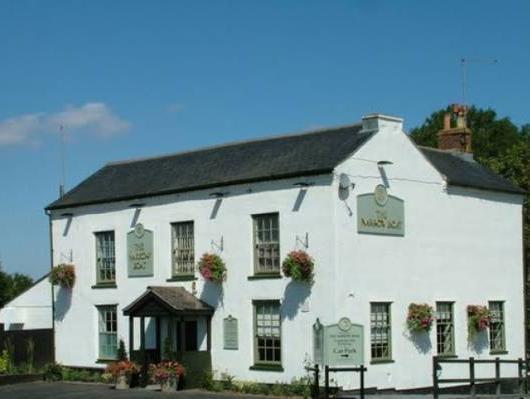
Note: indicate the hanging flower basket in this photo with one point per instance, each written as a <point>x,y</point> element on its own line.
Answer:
<point>420,317</point>
<point>167,374</point>
<point>63,275</point>
<point>122,372</point>
<point>212,268</point>
<point>299,266</point>
<point>478,319</point>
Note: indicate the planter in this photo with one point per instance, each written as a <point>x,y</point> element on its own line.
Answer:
<point>122,382</point>
<point>299,266</point>
<point>420,318</point>
<point>169,385</point>
<point>212,268</point>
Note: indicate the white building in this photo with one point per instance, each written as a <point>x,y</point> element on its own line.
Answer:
<point>31,310</point>
<point>450,236</point>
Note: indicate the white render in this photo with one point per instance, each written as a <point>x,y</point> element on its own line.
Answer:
<point>31,310</point>
<point>460,245</point>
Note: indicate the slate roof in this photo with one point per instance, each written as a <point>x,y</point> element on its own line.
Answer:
<point>305,154</point>
<point>259,160</point>
<point>175,299</point>
<point>464,173</point>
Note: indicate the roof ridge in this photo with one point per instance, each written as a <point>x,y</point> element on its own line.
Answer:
<point>233,143</point>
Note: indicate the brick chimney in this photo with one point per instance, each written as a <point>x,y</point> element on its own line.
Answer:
<point>455,138</point>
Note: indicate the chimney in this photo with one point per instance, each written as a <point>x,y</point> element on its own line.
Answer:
<point>455,138</point>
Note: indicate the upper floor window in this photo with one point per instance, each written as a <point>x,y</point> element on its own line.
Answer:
<point>105,257</point>
<point>380,331</point>
<point>445,339</point>
<point>183,248</point>
<point>266,243</point>
<point>497,335</point>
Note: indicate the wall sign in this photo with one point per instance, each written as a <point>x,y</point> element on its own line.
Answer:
<point>380,213</point>
<point>230,334</point>
<point>140,252</point>
<point>344,344</point>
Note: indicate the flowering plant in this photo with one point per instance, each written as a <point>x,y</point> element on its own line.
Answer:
<point>63,275</point>
<point>123,367</point>
<point>478,319</point>
<point>299,266</point>
<point>212,267</point>
<point>165,370</point>
<point>420,317</point>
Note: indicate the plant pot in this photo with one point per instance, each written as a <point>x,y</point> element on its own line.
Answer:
<point>122,382</point>
<point>170,385</point>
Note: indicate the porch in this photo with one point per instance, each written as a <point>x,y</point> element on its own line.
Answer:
<point>182,331</point>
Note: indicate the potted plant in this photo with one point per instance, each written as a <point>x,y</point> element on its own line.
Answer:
<point>63,275</point>
<point>121,372</point>
<point>299,266</point>
<point>420,317</point>
<point>478,319</point>
<point>212,268</point>
<point>167,373</point>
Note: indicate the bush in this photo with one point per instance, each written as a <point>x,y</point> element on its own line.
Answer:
<point>122,352</point>
<point>53,372</point>
<point>4,362</point>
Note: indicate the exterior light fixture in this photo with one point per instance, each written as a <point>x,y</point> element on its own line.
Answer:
<point>383,163</point>
<point>67,214</point>
<point>303,184</point>
<point>137,205</point>
<point>218,194</point>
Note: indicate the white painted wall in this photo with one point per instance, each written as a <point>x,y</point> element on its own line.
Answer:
<point>31,310</point>
<point>459,245</point>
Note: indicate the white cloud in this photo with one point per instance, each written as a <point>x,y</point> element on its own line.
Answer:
<point>91,118</point>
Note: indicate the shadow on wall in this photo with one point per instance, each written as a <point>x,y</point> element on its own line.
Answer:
<point>212,294</point>
<point>479,343</point>
<point>63,303</point>
<point>421,341</point>
<point>296,293</point>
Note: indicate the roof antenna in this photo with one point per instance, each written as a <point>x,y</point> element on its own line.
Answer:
<point>63,161</point>
<point>464,62</point>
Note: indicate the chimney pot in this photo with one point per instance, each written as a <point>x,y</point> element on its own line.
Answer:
<point>447,121</point>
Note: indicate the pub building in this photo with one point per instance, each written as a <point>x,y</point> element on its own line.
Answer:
<point>387,223</point>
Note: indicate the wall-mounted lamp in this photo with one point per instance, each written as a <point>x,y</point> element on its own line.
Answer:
<point>303,184</point>
<point>137,205</point>
<point>67,214</point>
<point>383,163</point>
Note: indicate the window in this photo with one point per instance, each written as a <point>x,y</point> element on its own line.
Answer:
<point>108,332</point>
<point>445,340</point>
<point>266,244</point>
<point>267,329</point>
<point>105,257</point>
<point>497,337</point>
<point>380,331</point>
<point>183,249</point>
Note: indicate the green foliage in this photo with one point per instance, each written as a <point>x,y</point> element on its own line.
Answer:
<point>4,362</point>
<point>30,354</point>
<point>496,143</point>
<point>63,275</point>
<point>10,351</point>
<point>122,352</point>
<point>53,372</point>
<point>299,266</point>
<point>80,375</point>
<point>12,285</point>
<point>212,268</point>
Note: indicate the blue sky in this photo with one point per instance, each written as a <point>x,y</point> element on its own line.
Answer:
<point>130,79</point>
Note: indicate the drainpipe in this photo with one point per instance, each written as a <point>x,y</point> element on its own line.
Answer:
<point>52,286</point>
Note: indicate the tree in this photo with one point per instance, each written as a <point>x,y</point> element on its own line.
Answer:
<point>12,286</point>
<point>497,144</point>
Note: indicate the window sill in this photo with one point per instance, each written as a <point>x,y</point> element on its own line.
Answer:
<point>105,361</point>
<point>499,352</point>
<point>264,276</point>
<point>182,278</point>
<point>104,286</point>
<point>382,361</point>
<point>448,356</point>
<point>266,367</point>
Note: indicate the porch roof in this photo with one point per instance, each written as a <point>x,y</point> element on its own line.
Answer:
<point>160,301</point>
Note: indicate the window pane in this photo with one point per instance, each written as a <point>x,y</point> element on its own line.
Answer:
<point>268,332</point>
<point>183,248</point>
<point>267,243</point>
<point>497,337</point>
<point>380,331</point>
<point>108,329</point>
<point>105,257</point>
<point>444,328</point>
